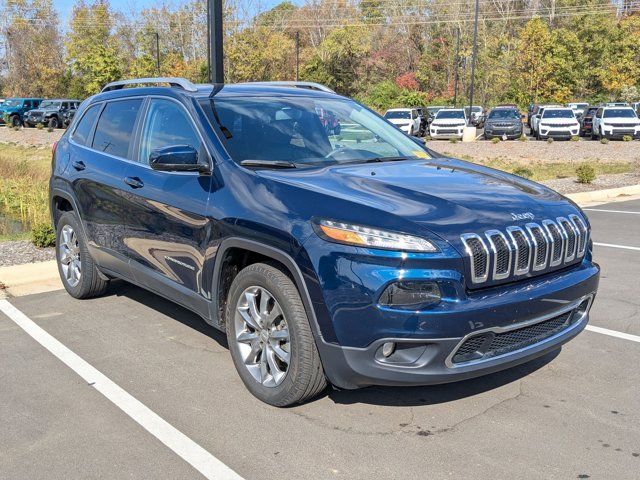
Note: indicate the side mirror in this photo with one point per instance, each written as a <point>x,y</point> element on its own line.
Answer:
<point>176,158</point>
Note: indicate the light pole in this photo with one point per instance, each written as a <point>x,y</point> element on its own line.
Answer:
<point>157,35</point>
<point>455,81</point>
<point>297,56</point>
<point>473,60</point>
<point>215,34</point>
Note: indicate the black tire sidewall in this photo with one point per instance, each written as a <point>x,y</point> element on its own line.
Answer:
<point>294,314</point>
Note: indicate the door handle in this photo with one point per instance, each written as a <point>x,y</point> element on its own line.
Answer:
<point>134,182</point>
<point>78,165</point>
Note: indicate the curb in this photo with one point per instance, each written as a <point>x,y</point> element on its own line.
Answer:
<point>29,278</point>
<point>607,195</point>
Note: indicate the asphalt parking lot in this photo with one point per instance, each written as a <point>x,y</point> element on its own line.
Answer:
<point>571,414</point>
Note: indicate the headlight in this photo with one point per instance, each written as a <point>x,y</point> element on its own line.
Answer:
<point>362,236</point>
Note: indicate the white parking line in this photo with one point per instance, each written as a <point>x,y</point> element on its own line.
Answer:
<point>609,211</point>
<point>613,333</point>
<point>613,245</point>
<point>183,446</point>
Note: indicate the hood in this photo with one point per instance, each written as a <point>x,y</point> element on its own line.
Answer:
<point>400,121</point>
<point>558,121</point>
<point>37,111</point>
<point>449,121</point>
<point>442,196</point>
<point>625,120</point>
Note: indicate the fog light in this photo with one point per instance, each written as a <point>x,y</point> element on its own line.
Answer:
<point>388,349</point>
<point>582,309</point>
<point>411,295</point>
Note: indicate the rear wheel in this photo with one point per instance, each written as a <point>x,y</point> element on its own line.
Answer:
<point>53,122</point>
<point>78,272</point>
<point>270,339</point>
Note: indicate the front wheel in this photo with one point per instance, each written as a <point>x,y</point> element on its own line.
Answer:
<point>15,121</point>
<point>270,339</point>
<point>78,272</point>
<point>53,122</point>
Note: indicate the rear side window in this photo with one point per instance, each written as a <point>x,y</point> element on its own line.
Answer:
<point>115,127</point>
<point>83,130</point>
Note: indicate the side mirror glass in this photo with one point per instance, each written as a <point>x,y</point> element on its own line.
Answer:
<point>177,158</point>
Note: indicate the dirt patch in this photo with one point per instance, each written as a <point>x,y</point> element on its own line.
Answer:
<point>30,137</point>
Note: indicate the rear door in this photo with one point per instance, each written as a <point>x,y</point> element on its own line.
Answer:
<point>166,227</point>
<point>101,150</point>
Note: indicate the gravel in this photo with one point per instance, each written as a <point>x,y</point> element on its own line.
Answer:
<point>28,137</point>
<point>23,251</point>
<point>570,185</point>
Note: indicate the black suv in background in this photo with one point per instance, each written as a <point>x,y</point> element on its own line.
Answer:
<point>586,121</point>
<point>54,113</point>
<point>503,122</point>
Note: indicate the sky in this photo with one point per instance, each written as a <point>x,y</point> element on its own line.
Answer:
<point>64,7</point>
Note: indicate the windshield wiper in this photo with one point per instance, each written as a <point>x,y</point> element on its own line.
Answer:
<point>385,159</point>
<point>267,163</point>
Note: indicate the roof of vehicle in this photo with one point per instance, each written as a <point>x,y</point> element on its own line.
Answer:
<point>621,107</point>
<point>555,109</point>
<point>62,100</point>
<point>408,109</point>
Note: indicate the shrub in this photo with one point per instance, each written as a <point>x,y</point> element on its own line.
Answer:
<point>549,140</point>
<point>604,140</point>
<point>43,235</point>
<point>453,140</point>
<point>426,138</point>
<point>495,140</point>
<point>523,138</point>
<point>39,126</point>
<point>575,138</point>
<point>627,138</point>
<point>586,173</point>
<point>49,129</point>
<point>523,172</point>
<point>16,128</point>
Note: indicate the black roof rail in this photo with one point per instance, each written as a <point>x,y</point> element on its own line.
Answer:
<point>172,81</point>
<point>295,84</point>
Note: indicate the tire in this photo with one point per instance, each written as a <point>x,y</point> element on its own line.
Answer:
<point>53,122</point>
<point>70,240</point>
<point>336,130</point>
<point>303,376</point>
<point>15,121</point>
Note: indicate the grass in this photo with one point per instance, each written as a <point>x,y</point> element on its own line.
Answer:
<point>552,170</point>
<point>24,185</point>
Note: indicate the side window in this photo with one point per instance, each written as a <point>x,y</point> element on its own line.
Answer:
<point>167,124</point>
<point>65,105</point>
<point>599,113</point>
<point>115,127</point>
<point>26,105</point>
<point>83,130</point>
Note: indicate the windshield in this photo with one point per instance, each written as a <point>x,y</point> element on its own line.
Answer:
<point>447,114</point>
<point>397,114</point>
<point>619,113</point>
<point>506,113</point>
<point>565,113</point>
<point>12,102</point>
<point>433,110</point>
<point>306,131</point>
<point>474,110</point>
<point>49,104</point>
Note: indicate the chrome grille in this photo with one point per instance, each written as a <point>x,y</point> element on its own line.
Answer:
<point>517,251</point>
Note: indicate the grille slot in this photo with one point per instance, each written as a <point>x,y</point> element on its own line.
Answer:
<point>501,250</point>
<point>557,242</point>
<point>583,232</point>
<point>479,255</point>
<point>487,345</point>
<point>522,248</point>
<point>570,232</point>
<point>540,247</point>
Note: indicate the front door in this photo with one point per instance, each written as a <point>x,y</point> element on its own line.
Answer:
<point>166,227</point>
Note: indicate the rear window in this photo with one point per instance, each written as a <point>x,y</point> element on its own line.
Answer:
<point>115,127</point>
<point>83,130</point>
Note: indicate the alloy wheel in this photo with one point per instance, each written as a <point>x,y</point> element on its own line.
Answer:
<point>69,250</point>
<point>262,336</point>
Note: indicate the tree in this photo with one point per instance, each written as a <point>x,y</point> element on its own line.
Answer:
<point>33,49</point>
<point>91,49</point>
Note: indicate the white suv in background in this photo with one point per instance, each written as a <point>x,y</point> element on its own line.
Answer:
<point>557,123</point>
<point>615,122</point>
<point>578,108</point>
<point>406,119</point>
<point>448,123</point>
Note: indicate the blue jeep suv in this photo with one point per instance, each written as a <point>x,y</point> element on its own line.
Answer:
<point>352,256</point>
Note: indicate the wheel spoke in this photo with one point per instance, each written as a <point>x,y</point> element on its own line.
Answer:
<point>65,259</point>
<point>280,353</point>
<point>248,319</point>
<point>275,312</point>
<point>264,302</point>
<point>253,307</point>
<point>264,372</point>
<point>252,357</point>
<point>280,334</point>
<point>247,337</point>
<point>276,373</point>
